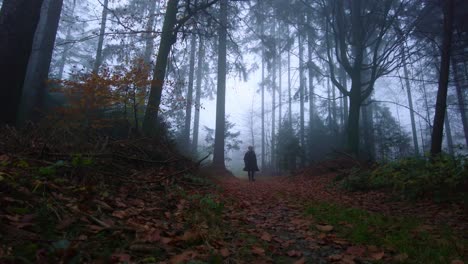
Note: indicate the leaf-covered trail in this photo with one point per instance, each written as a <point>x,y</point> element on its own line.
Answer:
<point>272,211</point>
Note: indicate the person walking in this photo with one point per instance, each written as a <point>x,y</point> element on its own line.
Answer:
<point>250,161</point>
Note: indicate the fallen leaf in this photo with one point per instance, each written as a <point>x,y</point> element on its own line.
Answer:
<point>183,257</point>
<point>190,235</point>
<point>357,251</point>
<point>377,255</point>
<point>300,261</point>
<point>401,257</point>
<point>121,258</point>
<point>457,261</point>
<point>224,252</point>
<point>120,214</point>
<point>258,250</point>
<point>324,228</point>
<point>294,253</point>
<point>266,237</point>
<point>166,240</point>
<point>149,236</point>
<point>335,257</point>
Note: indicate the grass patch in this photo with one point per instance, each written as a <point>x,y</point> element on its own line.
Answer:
<point>404,235</point>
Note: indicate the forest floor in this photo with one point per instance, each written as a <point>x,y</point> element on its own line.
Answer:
<point>308,219</point>
<point>128,202</point>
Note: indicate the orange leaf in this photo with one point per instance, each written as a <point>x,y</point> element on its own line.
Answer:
<point>183,257</point>
<point>294,253</point>
<point>119,214</point>
<point>266,236</point>
<point>224,252</point>
<point>324,228</point>
<point>377,255</point>
<point>258,250</point>
<point>335,257</point>
<point>357,251</point>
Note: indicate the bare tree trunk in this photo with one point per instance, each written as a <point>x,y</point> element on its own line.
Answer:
<point>461,99</point>
<point>263,95</point>
<point>102,31</point>
<point>345,98</point>
<point>168,38</point>
<point>35,83</point>
<point>218,155</point>
<point>18,23</point>
<point>280,80</point>
<point>441,104</point>
<point>67,46</point>
<point>410,103</point>
<point>188,109</point>
<point>196,124</point>
<point>448,134</point>
<point>426,106</point>
<point>289,86</point>
<point>310,71</point>
<point>149,46</point>
<point>273,104</point>
<point>301,90</point>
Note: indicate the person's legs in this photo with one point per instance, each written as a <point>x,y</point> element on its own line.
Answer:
<point>253,172</point>
<point>250,175</point>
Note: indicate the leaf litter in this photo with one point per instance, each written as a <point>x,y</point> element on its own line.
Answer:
<point>128,211</point>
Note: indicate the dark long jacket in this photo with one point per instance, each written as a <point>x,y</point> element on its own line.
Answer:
<point>250,161</point>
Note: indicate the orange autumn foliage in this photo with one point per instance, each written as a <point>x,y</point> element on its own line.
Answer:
<point>99,100</point>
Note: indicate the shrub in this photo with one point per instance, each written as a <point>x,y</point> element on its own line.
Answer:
<point>442,178</point>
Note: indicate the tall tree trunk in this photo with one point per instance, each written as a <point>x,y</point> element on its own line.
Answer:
<point>273,104</point>
<point>301,90</point>
<point>149,45</point>
<point>289,86</point>
<point>196,123</point>
<point>280,80</point>
<point>18,23</point>
<point>168,38</point>
<point>353,120</point>
<point>218,155</point>
<point>410,102</point>
<point>426,106</point>
<point>441,103</point>
<point>102,31</point>
<point>263,93</point>
<point>188,109</point>
<point>345,97</point>
<point>368,128</point>
<point>461,99</point>
<point>310,71</point>
<point>35,83</point>
<point>329,107</point>
<point>448,134</point>
<point>67,46</point>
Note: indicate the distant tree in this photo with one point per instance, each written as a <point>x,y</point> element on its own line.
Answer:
<point>391,142</point>
<point>18,23</point>
<point>288,148</point>
<point>361,30</point>
<point>171,26</point>
<point>102,31</point>
<point>231,138</point>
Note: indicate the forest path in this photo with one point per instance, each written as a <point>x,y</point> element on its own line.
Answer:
<point>271,211</point>
<point>308,219</point>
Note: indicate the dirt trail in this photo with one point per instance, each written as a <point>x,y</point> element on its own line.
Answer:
<point>270,211</point>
